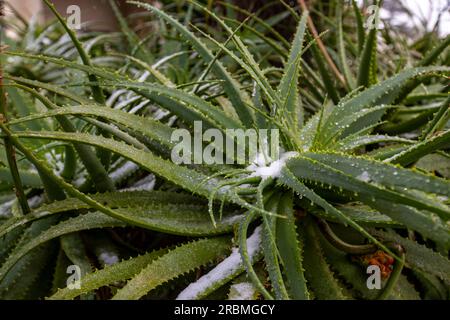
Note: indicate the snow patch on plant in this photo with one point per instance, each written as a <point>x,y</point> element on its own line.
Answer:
<point>265,168</point>
<point>124,171</point>
<point>365,176</point>
<point>145,184</point>
<point>108,258</point>
<point>5,209</point>
<point>223,270</point>
<point>242,291</point>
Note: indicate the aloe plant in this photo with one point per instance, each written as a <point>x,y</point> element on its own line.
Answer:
<point>362,179</point>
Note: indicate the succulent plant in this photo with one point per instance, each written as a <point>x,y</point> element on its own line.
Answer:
<point>362,179</point>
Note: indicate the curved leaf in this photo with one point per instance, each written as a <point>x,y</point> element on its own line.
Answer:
<point>176,262</point>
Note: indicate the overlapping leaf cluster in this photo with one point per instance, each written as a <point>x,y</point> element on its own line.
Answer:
<point>90,118</point>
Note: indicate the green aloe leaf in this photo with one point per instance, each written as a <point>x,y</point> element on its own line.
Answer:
<point>238,98</point>
<point>193,108</point>
<point>147,126</point>
<point>320,277</point>
<point>288,88</point>
<point>190,179</point>
<point>121,271</point>
<point>291,247</point>
<point>173,264</point>
<point>83,222</point>
<point>383,173</point>
<point>363,188</point>
<point>421,149</point>
<point>419,256</point>
<point>150,213</point>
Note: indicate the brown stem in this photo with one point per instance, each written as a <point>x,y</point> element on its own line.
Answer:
<point>342,245</point>
<point>313,30</point>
